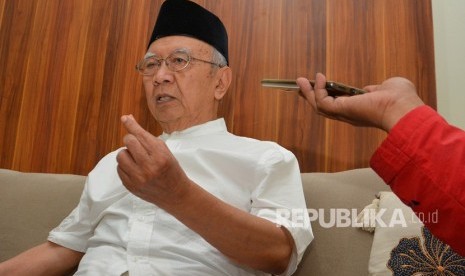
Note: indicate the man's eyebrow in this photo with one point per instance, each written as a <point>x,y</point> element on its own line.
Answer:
<point>149,54</point>
<point>185,50</point>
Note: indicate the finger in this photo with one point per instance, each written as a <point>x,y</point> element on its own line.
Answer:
<point>371,88</point>
<point>126,179</point>
<point>304,84</point>
<point>320,87</point>
<point>320,81</point>
<point>143,136</point>
<point>123,175</point>
<point>126,162</point>
<point>306,91</point>
<point>135,148</point>
<point>324,102</point>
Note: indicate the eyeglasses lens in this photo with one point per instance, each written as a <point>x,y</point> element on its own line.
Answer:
<point>175,62</point>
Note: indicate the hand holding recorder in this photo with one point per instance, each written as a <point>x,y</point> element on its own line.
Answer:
<point>381,106</point>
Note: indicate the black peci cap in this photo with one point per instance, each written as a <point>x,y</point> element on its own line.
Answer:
<point>186,18</point>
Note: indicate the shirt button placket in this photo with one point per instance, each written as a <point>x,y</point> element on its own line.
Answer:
<point>140,233</point>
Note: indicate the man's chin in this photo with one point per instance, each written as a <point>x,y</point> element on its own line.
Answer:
<point>168,115</point>
<point>168,122</point>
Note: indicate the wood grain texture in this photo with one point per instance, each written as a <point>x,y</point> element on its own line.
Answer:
<point>68,74</point>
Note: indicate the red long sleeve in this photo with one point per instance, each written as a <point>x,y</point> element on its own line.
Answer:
<point>423,160</point>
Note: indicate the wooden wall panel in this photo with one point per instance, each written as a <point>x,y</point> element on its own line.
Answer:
<point>68,73</point>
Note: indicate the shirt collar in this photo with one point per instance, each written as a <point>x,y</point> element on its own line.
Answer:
<point>210,127</point>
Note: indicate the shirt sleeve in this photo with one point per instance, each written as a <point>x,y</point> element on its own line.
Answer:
<point>279,198</point>
<point>422,160</point>
<point>78,227</point>
<point>74,231</point>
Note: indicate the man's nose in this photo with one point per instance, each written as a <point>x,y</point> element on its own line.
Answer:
<point>163,74</point>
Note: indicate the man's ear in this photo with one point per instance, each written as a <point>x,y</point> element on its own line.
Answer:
<point>224,80</point>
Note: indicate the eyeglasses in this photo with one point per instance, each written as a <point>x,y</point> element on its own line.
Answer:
<point>176,62</point>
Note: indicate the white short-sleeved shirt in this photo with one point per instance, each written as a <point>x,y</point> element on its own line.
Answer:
<point>120,232</point>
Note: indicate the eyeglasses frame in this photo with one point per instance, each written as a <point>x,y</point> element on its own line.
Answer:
<point>189,58</point>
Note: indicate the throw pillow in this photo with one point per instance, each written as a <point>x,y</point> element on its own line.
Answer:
<point>403,246</point>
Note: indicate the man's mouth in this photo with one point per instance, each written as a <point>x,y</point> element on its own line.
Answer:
<point>164,99</point>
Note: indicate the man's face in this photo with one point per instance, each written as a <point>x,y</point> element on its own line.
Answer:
<point>189,97</point>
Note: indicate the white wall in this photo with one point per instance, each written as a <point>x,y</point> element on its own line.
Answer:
<point>449,47</point>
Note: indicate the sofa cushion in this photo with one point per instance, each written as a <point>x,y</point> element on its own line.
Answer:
<point>337,250</point>
<point>32,204</point>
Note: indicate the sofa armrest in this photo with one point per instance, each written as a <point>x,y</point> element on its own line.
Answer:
<point>339,250</point>
<point>31,205</point>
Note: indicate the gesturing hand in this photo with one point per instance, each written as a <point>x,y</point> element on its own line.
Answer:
<point>147,167</point>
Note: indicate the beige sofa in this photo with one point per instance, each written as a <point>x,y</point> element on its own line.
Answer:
<point>31,204</point>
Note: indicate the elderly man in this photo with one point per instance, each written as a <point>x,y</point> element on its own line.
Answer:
<point>195,201</point>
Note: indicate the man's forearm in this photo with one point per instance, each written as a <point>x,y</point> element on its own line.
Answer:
<point>244,238</point>
<point>45,259</point>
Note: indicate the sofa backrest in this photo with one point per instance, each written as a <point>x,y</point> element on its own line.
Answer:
<point>338,250</point>
<point>32,204</point>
